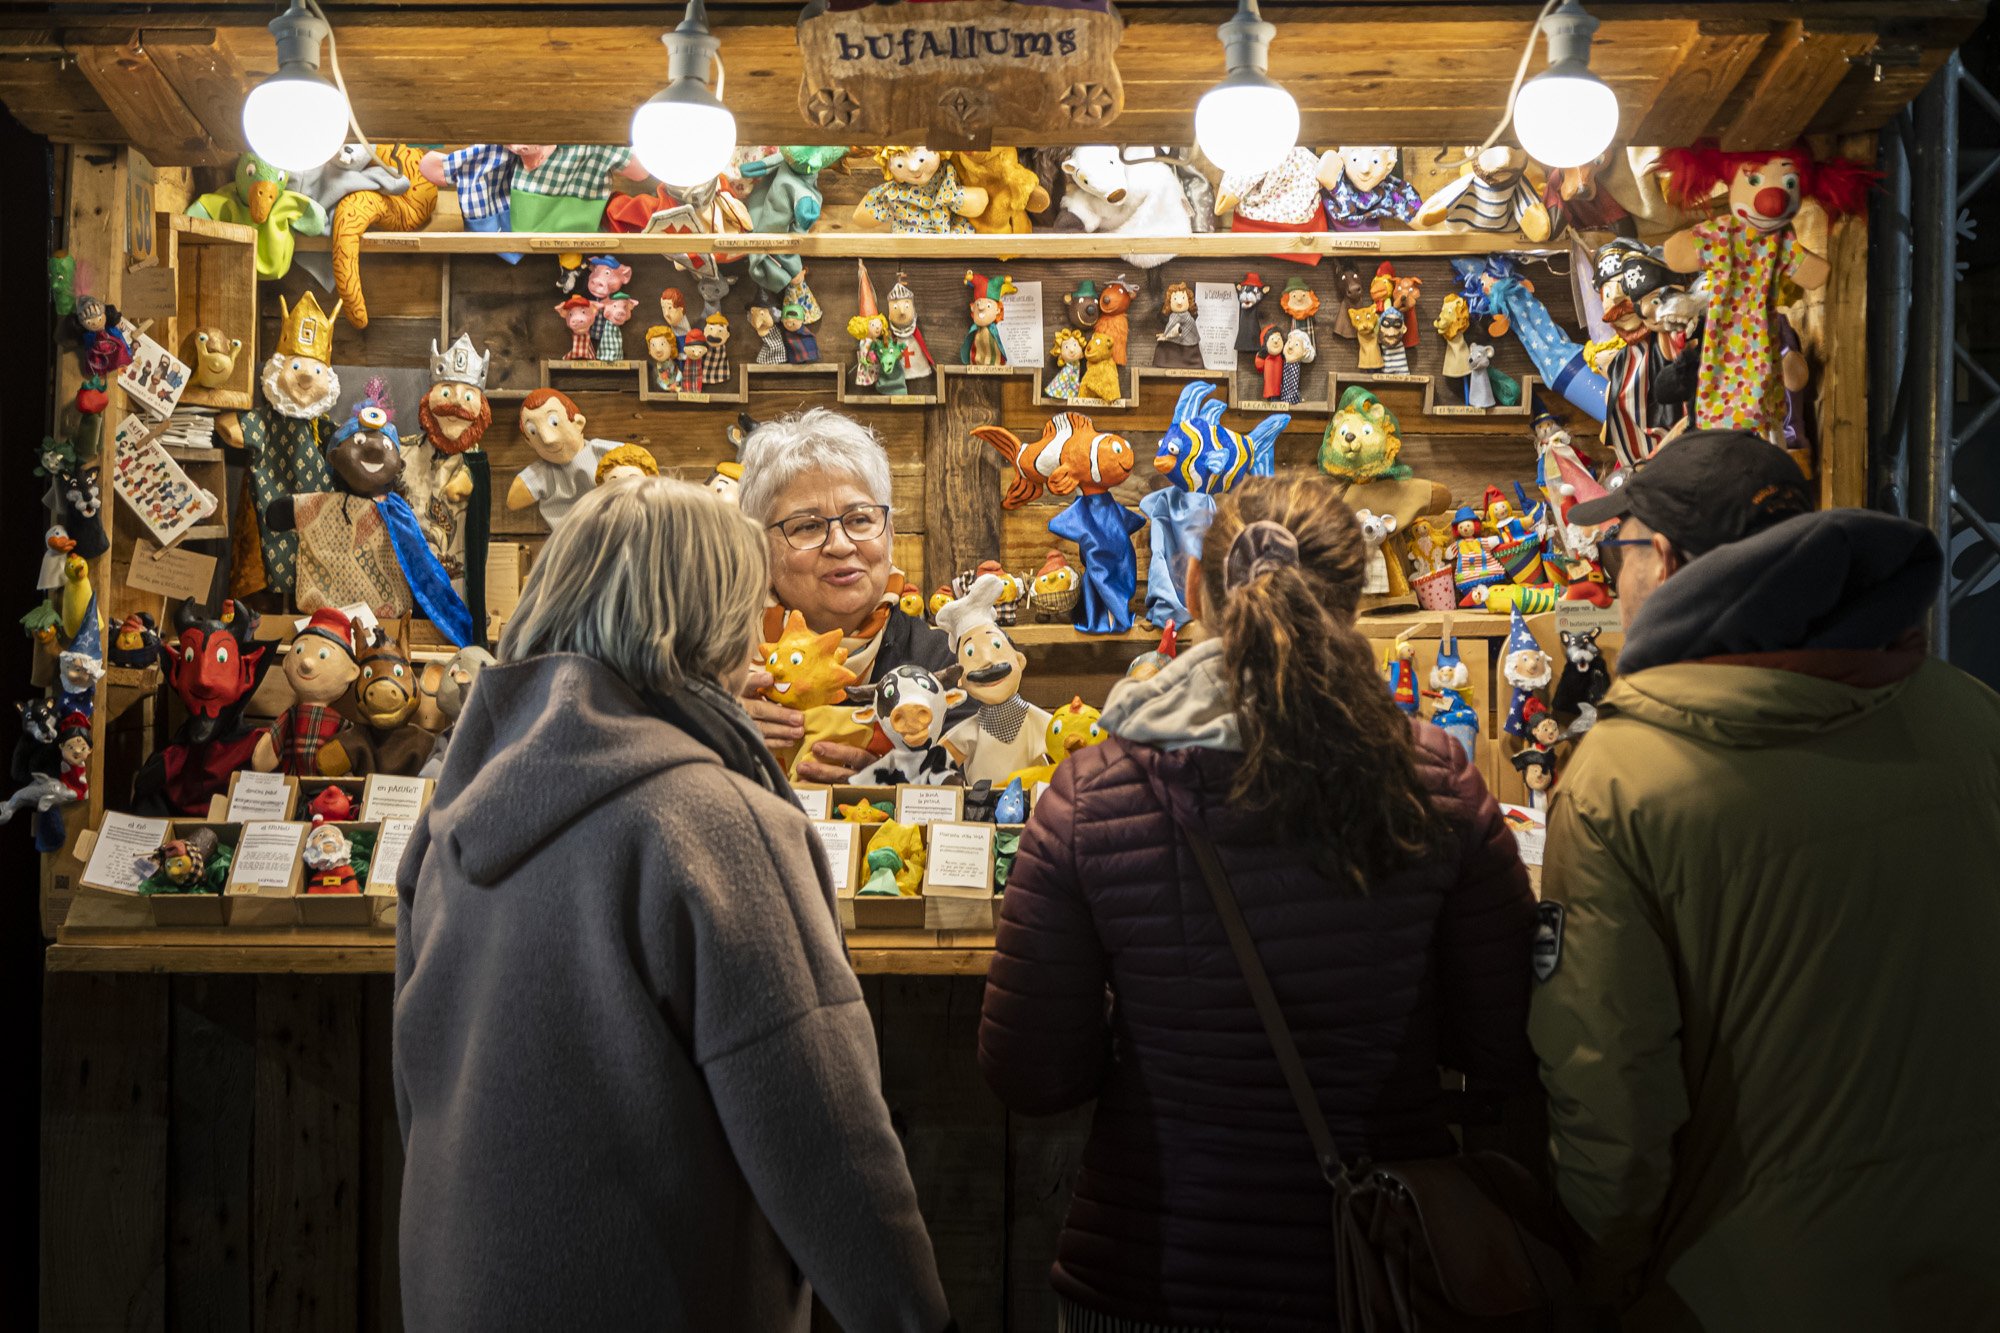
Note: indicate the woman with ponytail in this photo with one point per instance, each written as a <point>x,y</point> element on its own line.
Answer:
<point>1382,891</point>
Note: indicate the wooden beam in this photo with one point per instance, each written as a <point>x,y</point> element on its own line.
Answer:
<point>208,81</point>
<point>1710,64</point>
<point>961,476</point>
<point>1806,63</point>
<point>154,118</point>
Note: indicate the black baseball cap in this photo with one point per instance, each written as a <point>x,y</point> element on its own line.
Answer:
<point>1706,489</point>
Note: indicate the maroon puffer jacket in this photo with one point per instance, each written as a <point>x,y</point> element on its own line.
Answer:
<point>1199,1201</point>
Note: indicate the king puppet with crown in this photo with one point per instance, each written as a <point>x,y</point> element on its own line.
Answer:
<point>445,474</point>
<point>281,442</point>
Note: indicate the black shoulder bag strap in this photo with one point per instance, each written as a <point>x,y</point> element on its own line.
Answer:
<point>1266,1001</point>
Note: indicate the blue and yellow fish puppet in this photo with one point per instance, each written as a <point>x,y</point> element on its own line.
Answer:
<point>1203,459</point>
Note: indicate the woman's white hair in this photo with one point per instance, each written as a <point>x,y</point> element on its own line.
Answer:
<point>778,453</point>
<point>653,577</point>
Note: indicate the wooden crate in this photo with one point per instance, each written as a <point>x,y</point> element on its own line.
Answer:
<point>215,284</point>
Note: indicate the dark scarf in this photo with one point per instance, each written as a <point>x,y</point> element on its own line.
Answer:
<point>712,716</point>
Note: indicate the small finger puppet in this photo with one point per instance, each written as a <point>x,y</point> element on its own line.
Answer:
<point>1391,325</point>
<point>604,281</point>
<point>726,481</point>
<point>211,355</point>
<point>1634,284</point>
<point>938,600</point>
<point>1100,370</point>
<point>878,360</point>
<point>711,283</point>
<point>1055,589</point>
<point>328,857</point>
<point>331,805</point>
<point>1451,686</point>
<point>565,466</point>
<point>320,668</point>
<point>607,334</point>
<point>1399,670</point>
<point>910,703</point>
<point>801,347</point>
<point>1494,288</point>
<point>213,666</point>
<point>1363,190</point>
<point>1367,322</point>
<point>917,358</point>
<point>694,360</point>
<point>663,351</point>
<point>1201,458</point>
<point>717,368</point>
<point>79,599</point>
<point>1072,727</point>
<point>1493,193</point>
<point>407,209</point>
<point>1006,604</point>
<point>566,186</point>
<point>1012,807</point>
<point>1270,363</point>
<point>624,463</point>
<point>1540,726</point>
<point>920,193</point>
<point>1454,318</point>
<point>1082,305</point>
<point>1107,191</point>
<point>136,643</point>
<point>1389,290</point>
<point>895,861</point>
<point>1283,199</point>
<point>1006,731</point>
<point>1527,668</point>
<point>1067,383</point>
<point>1300,302</point>
<point>1251,294</point>
<point>1384,575</point>
<point>1473,563</point>
<point>1585,678</point>
<point>764,317</point>
<point>257,196</point>
<point>1155,660</point>
<point>386,697</point>
<point>183,862</point>
<point>1178,345</point>
<point>1537,768</point>
<point>982,345</point>
<point>1012,191</point>
<point>673,309</point>
<point>1744,250</point>
<point>579,316</point>
<point>809,675</point>
<point>1113,321</point>
<point>1350,291</point>
<point>1299,353</point>
<point>454,685</point>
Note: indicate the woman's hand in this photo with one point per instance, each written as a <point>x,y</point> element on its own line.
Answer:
<point>833,763</point>
<point>779,726</point>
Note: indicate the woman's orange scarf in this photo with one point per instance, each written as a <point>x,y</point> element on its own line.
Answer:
<point>863,643</point>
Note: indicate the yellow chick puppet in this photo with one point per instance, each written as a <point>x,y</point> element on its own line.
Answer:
<point>1071,728</point>
<point>808,674</point>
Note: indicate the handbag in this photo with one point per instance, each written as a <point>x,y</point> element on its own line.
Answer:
<point>1425,1246</point>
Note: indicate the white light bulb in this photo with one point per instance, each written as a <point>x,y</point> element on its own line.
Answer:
<point>1564,119</point>
<point>295,123</point>
<point>683,143</point>
<point>1246,127</point>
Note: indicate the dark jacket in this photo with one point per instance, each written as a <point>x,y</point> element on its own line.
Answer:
<point>1199,1201</point>
<point>637,1084</point>
<point>1770,997</point>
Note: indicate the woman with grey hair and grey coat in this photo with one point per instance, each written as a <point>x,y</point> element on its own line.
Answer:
<point>636,1081</point>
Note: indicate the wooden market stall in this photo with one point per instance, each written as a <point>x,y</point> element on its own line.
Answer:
<point>221,1143</point>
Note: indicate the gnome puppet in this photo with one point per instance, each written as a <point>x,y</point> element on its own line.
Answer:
<point>1008,732</point>
<point>981,345</point>
<point>320,668</point>
<point>280,442</point>
<point>445,474</point>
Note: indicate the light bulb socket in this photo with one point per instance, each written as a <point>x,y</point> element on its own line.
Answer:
<point>1569,30</point>
<point>691,50</point>
<point>1246,42</point>
<point>298,34</point>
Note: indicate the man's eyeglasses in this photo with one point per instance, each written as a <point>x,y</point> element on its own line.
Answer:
<point>1607,550</point>
<point>808,532</point>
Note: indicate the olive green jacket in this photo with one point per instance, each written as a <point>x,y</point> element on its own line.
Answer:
<point>1771,1031</point>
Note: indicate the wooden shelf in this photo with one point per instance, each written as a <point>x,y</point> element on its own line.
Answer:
<point>888,245</point>
<point>1065,634</point>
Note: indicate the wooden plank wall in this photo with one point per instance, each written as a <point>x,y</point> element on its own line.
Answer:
<point>221,1154</point>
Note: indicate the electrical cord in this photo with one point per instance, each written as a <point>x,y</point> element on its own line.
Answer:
<point>333,67</point>
<point>1520,77</point>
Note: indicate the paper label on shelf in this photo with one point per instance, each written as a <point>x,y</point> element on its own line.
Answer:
<point>1582,617</point>
<point>265,856</point>
<point>174,572</point>
<point>260,796</point>
<point>1215,320</point>
<point>928,805</point>
<point>1530,829</point>
<point>817,802</point>
<point>1020,325</point>
<point>123,856</point>
<point>389,845</point>
<point>961,857</point>
<point>836,837</point>
<point>388,796</point>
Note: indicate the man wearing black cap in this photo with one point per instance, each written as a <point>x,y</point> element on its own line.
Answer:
<point>1766,1001</point>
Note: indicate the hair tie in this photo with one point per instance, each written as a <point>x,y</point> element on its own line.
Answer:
<point>1261,548</point>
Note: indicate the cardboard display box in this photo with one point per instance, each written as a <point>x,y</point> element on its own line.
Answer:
<point>264,878</point>
<point>871,913</point>
<point>958,876</point>
<point>195,909</point>
<point>337,909</point>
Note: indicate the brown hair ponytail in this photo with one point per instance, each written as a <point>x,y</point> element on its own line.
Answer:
<point>1326,752</point>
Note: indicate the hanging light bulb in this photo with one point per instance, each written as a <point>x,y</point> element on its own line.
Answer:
<point>1566,116</point>
<point>683,134</point>
<point>296,120</point>
<point>1248,122</point>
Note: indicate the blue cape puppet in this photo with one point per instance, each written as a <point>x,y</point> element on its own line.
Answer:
<point>1492,286</point>
<point>1202,458</point>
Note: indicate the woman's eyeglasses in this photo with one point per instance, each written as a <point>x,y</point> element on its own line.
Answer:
<point>808,532</point>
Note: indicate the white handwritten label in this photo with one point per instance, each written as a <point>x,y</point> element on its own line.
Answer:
<point>389,846</point>
<point>1020,326</point>
<point>123,856</point>
<point>928,805</point>
<point>961,857</point>
<point>817,802</point>
<point>266,856</point>
<point>257,797</point>
<point>390,797</point>
<point>1215,319</point>
<point>836,837</point>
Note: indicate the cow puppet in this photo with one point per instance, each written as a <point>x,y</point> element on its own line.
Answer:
<point>911,703</point>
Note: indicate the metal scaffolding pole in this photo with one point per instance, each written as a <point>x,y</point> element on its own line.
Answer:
<point>1933,280</point>
<point>1889,321</point>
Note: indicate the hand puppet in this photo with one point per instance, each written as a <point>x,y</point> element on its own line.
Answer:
<point>565,187</point>
<point>920,193</point>
<point>1055,589</point>
<point>328,858</point>
<point>136,645</point>
<point>1070,454</point>
<point>566,459</point>
<point>1270,364</point>
<point>446,477</point>
<point>213,666</point>
<point>1082,305</point>
<point>386,697</point>
<point>1360,450</point>
<point>879,356</point>
<point>894,861</point>
<point>1399,671</point>
<point>1012,190</point>
<point>38,769</point>
<point>1582,198</point>
<point>809,675</point>
<point>917,358</point>
<point>1282,199</point>
<point>982,345</point>
<point>1178,345</point>
<point>1451,686</point>
<point>1454,319</point>
<point>1389,291</point>
<point>911,703</point>
<point>257,196</point>
<point>1201,458</point>
<point>1527,668</point>
<point>1634,285</point>
<point>624,463</point>
<point>454,685</point>
<point>1105,191</point>
<point>1012,807</point>
<point>1251,294</point>
<point>184,862</point>
<point>1074,726</point>
<point>407,209</point>
<point>1113,321</point>
<point>483,176</point>
<point>211,357</point>
<point>320,668</point>
<point>1350,291</point>
<point>1366,321</point>
<point>801,347</point>
<point>1067,383</point>
<point>1494,193</point>
<point>282,439</point>
<point>784,196</point>
<point>1493,286</point>
<point>1585,679</point>
<point>764,323</point>
<point>1363,190</point>
<point>95,326</point>
<point>579,316</point>
<point>1006,732</point>
<point>1384,576</point>
<point>1473,563</point>
<point>1100,371</point>
<point>1537,768</point>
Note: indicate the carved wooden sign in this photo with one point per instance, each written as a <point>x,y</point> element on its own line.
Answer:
<point>961,73</point>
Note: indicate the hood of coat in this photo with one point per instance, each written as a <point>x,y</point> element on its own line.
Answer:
<point>1842,579</point>
<point>1186,706</point>
<point>1747,706</point>
<point>543,744</point>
